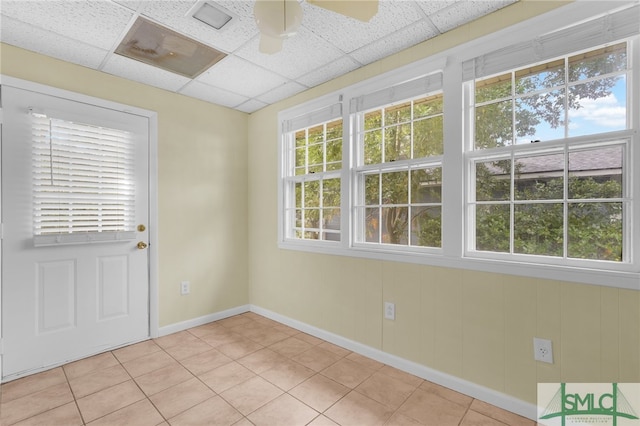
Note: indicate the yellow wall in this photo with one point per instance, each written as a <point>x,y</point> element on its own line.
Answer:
<point>202,184</point>
<point>473,325</point>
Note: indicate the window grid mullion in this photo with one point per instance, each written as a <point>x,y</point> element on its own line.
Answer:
<point>565,203</point>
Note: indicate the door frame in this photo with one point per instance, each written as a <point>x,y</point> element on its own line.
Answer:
<point>152,116</point>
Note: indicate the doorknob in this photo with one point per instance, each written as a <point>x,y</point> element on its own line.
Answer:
<point>142,245</point>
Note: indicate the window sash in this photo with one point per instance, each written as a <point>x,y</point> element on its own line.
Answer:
<point>514,103</point>
<point>295,228</point>
<point>511,201</point>
<point>361,206</point>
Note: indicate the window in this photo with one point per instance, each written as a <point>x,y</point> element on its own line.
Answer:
<point>515,152</point>
<point>313,166</point>
<point>83,183</point>
<point>549,164</point>
<point>399,173</point>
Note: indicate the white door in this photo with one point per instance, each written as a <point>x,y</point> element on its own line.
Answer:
<point>84,289</point>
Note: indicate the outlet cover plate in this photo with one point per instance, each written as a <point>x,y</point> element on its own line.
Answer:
<point>390,311</point>
<point>542,350</point>
<point>185,288</point>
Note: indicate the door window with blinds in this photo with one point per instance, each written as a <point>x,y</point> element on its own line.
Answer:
<point>83,182</point>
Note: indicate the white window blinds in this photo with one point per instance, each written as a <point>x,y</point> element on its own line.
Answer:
<point>314,117</point>
<point>83,182</point>
<point>606,29</point>
<point>399,92</point>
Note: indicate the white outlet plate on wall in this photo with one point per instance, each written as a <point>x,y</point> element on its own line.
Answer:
<point>542,350</point>
<point>389,310</point>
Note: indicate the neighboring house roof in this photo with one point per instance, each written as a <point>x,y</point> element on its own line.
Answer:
<point>601,161</point>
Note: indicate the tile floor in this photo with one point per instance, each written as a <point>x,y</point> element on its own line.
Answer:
<point>243,370</point>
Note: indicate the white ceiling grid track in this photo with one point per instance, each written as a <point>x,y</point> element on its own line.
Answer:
<point>326,45</point>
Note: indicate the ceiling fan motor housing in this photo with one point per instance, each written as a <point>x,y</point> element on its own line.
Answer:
<point>278,18</point>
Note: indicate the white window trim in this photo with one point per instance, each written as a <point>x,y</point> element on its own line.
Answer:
<point>428,85</point>
<point>455,173</point>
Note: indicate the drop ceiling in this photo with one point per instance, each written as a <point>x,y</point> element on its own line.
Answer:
<point>327,45</point>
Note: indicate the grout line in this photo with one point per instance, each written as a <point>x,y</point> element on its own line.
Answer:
<point>73,394</point>
<point>271,327</point>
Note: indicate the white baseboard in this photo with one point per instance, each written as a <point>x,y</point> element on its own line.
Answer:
<point>466,387</point>
<point>179,326</point>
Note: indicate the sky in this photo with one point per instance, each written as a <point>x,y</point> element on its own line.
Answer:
<point>594,116</point>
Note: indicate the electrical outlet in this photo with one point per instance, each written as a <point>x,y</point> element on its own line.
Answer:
<point>542,350</point>
<point>389,310</point>
<point>185,287</point>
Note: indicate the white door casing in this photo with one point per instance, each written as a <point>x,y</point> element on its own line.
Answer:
<point>66,301</point>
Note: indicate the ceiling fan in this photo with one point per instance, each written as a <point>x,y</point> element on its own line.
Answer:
<point>279,19</point>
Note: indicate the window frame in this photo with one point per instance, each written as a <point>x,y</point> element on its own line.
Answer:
<point>360,170</point>
<point>455,174</point>
<point>514,149</point>
<point>286,158</point>
<point>294,179</point>
<point>622,139</point>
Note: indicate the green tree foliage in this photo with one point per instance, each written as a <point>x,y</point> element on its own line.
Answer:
<point>318,150</point>
<point>594,229</point>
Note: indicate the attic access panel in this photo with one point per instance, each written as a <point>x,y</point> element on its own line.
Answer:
<point>161,47</point>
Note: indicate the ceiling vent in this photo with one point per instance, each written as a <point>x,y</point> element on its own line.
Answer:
<point>161,47</point>
<point>213,16</point>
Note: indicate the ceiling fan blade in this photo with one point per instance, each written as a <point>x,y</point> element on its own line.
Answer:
<point>270,45</point>
<point>362,10</point>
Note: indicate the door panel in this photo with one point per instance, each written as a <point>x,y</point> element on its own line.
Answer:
<point>62,302</point>
<point>56,296</point>
<point>113,287</point>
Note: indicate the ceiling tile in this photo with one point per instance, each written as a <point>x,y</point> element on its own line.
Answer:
<point>207,93</point>
<point>251,106</point>
<point>466,11</point>
<point>18,33</point>
<point>300,54</point>
<point>130,4</point>
<point>176,14</point>
<point>431,7</point>
<point>329,72</point>
<point>98,23</point>
<point>239,76</point>
<point>405,38</point>
<point>143,73</point>
<point>327,45</point>
<point>282,92</point>
<point>349,34</point>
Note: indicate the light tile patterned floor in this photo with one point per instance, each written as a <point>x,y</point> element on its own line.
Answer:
<point>243,370</point>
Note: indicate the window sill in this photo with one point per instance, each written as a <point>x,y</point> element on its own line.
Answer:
<point>83,238</point>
